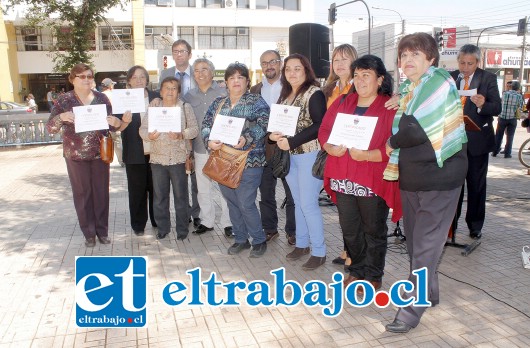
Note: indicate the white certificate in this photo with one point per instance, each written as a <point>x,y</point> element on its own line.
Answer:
<point>467,92</point>
<point>283,118</point>
<point>164,119</point>
<point>128,100</point>
<point>352,131</point>
<point>227,129</point>
<point>90,118</point>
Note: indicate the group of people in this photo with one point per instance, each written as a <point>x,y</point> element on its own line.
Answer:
<point>417,161</point>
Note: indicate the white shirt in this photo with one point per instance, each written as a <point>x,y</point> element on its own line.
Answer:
<point>271,92</point>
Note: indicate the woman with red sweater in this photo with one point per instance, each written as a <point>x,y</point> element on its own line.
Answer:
<point>354,178</point>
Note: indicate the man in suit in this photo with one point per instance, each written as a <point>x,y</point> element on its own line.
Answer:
<point>181,52</point>
<point>480,108</point>
<point>270,88</point>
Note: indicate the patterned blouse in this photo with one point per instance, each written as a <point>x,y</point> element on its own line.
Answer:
<point>255,110</point>
<point>166,151</point>
<point>82,146</point>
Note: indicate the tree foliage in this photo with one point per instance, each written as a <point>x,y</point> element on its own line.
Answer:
<point>73,24</point>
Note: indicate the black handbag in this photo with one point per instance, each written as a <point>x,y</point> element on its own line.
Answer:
<point>525,123</point>
<point>320,163</point>
<point>280,163</point>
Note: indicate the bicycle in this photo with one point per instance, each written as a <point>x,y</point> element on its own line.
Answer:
<point>524,153</point>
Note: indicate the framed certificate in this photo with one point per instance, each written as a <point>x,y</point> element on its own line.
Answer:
<point>227,129</point>
<point>352,131</point>
<point>90,118</point>
<point>132,100</point>
<point>164,119</point>
<point>283,118</point>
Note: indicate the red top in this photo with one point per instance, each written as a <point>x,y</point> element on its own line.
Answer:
<point>369,174</point>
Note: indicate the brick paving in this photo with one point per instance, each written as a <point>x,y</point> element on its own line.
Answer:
<point>485,297</point>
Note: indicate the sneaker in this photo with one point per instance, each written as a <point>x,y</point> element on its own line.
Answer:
<point>297,253</point>
<point>228,231</point>
<point>313,263</point>
<point>236,248</point>
<point>258,250</point>
<point>271,235</point>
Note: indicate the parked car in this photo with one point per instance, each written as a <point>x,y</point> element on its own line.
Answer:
<point>12,108</point>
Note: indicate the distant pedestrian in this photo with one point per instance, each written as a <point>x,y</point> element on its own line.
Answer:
<point>31,102</point>
<point>51,97</point>
<point>512,101</point>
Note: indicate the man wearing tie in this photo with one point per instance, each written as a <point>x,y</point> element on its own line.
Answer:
<point>480,108</point>
<point>181,52</point>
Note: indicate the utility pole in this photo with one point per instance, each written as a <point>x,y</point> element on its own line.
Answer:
<point>523,51</point>
<point>332,16</point>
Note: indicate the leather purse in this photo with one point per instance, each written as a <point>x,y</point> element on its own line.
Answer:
<point>320,164</point>
<point>280,163</point>
<point>106,149</point>
<point>226,165</point>
<point>525,123</point>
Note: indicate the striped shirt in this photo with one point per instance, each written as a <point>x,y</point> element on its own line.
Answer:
<point>511,101</point>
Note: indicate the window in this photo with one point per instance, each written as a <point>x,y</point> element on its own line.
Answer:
<point>62,39</point>
<point>115,38</point>
<point>243,3</point>
<point>29,39</point>
<point>223,38</point>
<point>213,3</point>
<point>186,33</point>
<point>158,37</point>
<point>185,3</point>
<point>289,5</point>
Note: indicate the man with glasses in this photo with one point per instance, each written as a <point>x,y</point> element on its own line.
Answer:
<point>181,52</point>
<point>270,88</point>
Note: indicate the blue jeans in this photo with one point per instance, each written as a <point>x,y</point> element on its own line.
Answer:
<point>163,178</point>
<point>509,126</point>
<point>244,213</point>
<point>305,189</point>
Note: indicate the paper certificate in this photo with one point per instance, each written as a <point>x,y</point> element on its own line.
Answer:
<point>283,118</point>
<point>227,129</point>
<point>467,92</point>
<point>90,118</point>
<point>128,100</point>
<point>352,131</point>
<point>164,119</point>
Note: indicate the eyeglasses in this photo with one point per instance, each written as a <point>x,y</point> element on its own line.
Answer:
<point>83,77</point>
<point>270,62</point>
<point>179,52</point>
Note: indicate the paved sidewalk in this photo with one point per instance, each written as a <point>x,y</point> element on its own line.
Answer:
<point>485,297</point>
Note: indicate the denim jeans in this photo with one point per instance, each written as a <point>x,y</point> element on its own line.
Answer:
<point>509,126</point>
<point>244,214</point>
<point>305,189</point>
<point>163,178</point>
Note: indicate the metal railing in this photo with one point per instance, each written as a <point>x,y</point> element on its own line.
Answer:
<point>26,131</point>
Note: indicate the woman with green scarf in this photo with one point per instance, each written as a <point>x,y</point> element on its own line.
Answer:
<point>428,154</point>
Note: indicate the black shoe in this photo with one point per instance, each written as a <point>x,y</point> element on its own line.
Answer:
<point>228,231</point>
<point>271,235</point>
<point>139,232</point>
<point>161,235</point>
<point>475,234</point>
<point>507,156</point>
<point>494,154</point>
<point>196,222</point>
<point>182,237</point>
<point>104,240</point>
<point>338,261</point>
<point>236,248</point>
<point>90,242</point>
<point>202,229</point>
<point>258,250</point>
<point>398,326</point>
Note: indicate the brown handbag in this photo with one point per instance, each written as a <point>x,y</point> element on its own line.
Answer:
<point>226,165</point>
<point>106,149</point>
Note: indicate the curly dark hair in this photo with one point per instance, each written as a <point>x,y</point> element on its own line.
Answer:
<point>374,63</point>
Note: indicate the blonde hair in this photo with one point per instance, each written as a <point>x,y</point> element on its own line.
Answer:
<point>346,50</point>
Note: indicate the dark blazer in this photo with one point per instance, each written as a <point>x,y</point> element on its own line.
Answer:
<point>483,141</point>
<point>133,146</point>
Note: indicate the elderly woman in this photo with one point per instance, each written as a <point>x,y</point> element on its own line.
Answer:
<point>353,177</point>
<point>168,152</point>
<point>244,214</point>
<point>428,154</point>
<point>300,89</point>
<point>88,174</point>
<point>339,82</point>
<point>136,156</point>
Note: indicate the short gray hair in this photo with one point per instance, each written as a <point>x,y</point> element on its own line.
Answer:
<point>470,49</point>
<point>516,85</point>
<point>204,60</point>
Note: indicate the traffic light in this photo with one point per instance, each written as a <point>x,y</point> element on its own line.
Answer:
<point>439,37</point>
<point>332,14</point>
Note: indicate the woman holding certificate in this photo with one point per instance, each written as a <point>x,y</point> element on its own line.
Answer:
<point>428,153</point>
<point>167,126</point>
<point>253,111</point>
<point>136,156</point>
<point>300,89</point>
<point>353,177</point>
<point>85,116</point>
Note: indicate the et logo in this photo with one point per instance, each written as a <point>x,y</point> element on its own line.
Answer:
<point>111,291</point>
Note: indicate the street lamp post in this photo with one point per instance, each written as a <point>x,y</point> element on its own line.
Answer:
<point>333,8</point>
